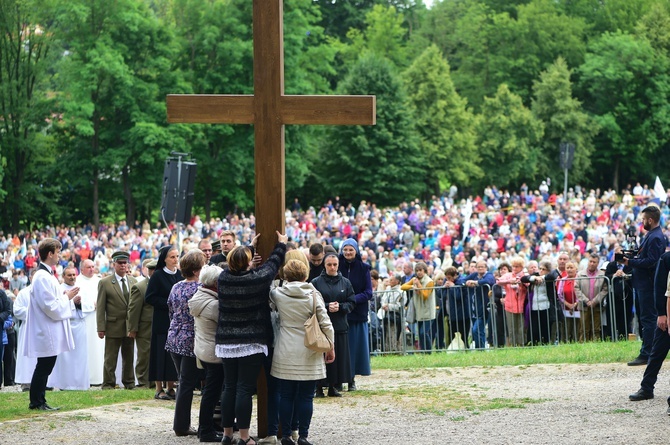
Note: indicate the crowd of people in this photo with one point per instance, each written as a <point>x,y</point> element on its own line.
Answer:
<point>173,307</point>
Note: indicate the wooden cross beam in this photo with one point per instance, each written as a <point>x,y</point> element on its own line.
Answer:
<point>269,109</point>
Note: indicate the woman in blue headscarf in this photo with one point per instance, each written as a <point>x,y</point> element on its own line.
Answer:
<point>355,270</point>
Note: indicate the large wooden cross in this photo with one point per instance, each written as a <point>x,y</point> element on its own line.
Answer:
<point>269,109</point>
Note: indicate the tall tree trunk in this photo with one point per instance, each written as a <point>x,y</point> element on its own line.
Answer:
<point>95,149</point>
<point>615,174</point>
<point>208,203</point>
<point>130,203</point>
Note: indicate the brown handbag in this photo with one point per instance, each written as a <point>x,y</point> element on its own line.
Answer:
<point>315,339</point>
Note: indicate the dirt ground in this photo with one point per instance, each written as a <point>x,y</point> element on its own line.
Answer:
<point>539,404</point>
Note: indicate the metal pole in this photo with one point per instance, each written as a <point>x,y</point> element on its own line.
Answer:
<point>565,187</point>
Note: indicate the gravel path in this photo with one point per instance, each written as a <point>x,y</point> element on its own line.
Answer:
<point>539,404</point>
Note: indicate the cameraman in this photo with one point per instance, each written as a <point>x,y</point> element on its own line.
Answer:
<point>644,266</point>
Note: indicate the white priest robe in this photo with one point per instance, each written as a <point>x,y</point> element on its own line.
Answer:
<point>88,289</point>
<point>25,366</point>
<point>71,370</point>
<point>48,331</point>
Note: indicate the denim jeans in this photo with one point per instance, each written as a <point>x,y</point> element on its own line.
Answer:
<point>425,335</point>
<point>239,383</point>
<point>296,400</point>
<point>479,332</point>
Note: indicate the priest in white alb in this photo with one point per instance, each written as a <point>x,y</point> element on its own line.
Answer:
<point>87,281</point>
<point>71,370</point>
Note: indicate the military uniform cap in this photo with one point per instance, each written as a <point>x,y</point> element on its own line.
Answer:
<point>216,245</point>
<point>152,264</point>
<point>120,255</point>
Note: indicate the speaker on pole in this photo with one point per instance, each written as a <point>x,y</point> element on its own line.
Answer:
<point>187,192</point>
<point>178,189</point>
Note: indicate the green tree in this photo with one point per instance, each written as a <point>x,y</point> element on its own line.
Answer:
<point>528,45</point>
<point>383,35</point>
<point>611,15</point>
<point>114,83</point>
<point>509,139</point>
<point>655,27</point>
<point>26,108</point>
<point>382,163</point>
<point>625,84</point>
<point>564,121</point>
<point>446,128</point>
<point>338,17</point>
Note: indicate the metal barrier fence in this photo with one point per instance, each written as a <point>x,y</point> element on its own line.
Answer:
<point>476,317</point>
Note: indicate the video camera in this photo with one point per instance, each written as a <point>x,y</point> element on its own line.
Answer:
<point>631,244</point>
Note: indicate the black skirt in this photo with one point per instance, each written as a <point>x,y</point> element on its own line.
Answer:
<point>339,371</point>
<point>161,366</point>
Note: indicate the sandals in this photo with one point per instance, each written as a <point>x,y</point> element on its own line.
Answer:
<point>246,442</point>
<point>160,395</point>
<point>171,394</point>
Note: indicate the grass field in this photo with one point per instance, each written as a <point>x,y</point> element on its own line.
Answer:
<point>599,352</point>
<point>15,405</point>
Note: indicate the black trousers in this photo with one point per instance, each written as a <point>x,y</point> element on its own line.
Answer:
<point>189,376</point>
<point>211,394</point>
<point>659,351</point>
<point>9,359</point>
<point>38,384</point>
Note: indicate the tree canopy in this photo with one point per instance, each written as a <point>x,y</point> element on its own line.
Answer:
<point>469,92</point>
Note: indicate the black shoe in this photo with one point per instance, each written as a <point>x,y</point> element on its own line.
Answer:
<point>339,387</point>
<point>287,441</point>
<point>668,411</point>
<point>351,386</point>
<point>319,393</point>
<point>189,432</point>
<point>43,407</point>
<point>639,361</point>
<point>641,394</point>
<point>332,392</point>
<point>303,441</point>
<point>214,436</point>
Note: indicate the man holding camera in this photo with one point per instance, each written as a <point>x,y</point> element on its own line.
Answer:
<point>644,267</point>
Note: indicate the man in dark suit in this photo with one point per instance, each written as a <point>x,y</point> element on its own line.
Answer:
<point>140,314</point>
<point>227,242</point>
<point>661,345</point>
<point>112,320</point>
<point>644,266</point>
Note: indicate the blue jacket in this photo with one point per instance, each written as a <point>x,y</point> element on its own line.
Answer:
<point>8,324</point>
<point>359,274</point>
<point>480,295</point>
<point>459,301</point>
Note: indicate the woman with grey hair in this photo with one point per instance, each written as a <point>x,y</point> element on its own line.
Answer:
<point>204,307</point>
<point>541,298</point>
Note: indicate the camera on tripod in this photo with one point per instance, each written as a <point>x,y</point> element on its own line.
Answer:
<point>631,244</point>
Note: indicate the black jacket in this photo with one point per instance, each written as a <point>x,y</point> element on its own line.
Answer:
<point>338,289</point>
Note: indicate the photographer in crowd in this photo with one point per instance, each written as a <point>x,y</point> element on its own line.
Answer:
<point>644,266</point>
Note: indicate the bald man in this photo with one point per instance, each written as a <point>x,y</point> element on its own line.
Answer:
<point>87,281</point>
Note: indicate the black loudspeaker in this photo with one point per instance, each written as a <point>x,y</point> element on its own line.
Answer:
<point>178,190</point>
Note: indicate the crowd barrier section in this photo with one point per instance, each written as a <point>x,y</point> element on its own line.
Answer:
<point>469,318</point>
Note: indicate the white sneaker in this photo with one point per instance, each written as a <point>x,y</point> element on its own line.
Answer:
<point>270,440</point>
<point>294,435</point>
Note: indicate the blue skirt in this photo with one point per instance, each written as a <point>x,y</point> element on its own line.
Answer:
<point>359,348</point>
